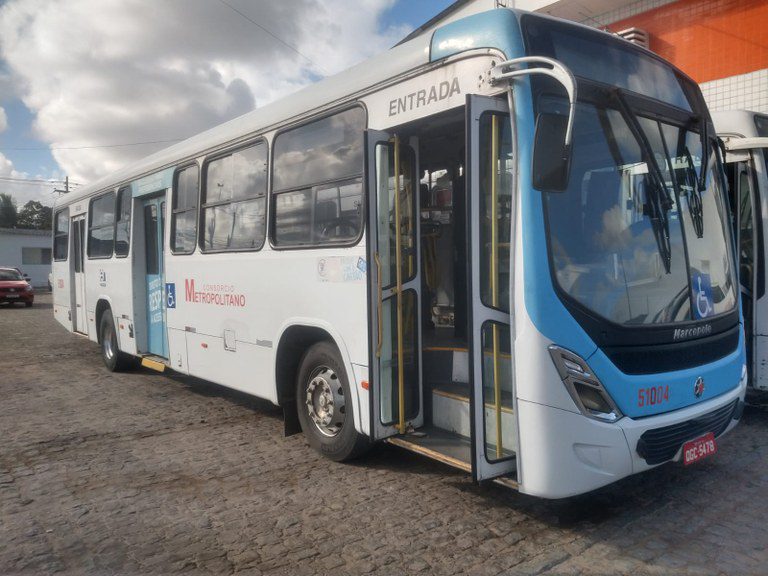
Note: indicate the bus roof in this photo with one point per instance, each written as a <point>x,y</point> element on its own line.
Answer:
<point>740,123</point>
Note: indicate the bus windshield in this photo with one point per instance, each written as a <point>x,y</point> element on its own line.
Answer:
<point>634,238</point>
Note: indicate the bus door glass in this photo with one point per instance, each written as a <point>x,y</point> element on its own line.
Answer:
<point>492,214</point>
<point>78,267</point>
<point>743,210</point>
<point>395,286</point>
<point>154,233</point>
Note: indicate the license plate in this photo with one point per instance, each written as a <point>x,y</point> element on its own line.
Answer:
<point>11,295</point>
<point>702,447</point>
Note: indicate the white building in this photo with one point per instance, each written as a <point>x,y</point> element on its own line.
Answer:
<point>27,250</point>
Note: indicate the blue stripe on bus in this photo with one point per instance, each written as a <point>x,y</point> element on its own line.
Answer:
<point>500,29</point>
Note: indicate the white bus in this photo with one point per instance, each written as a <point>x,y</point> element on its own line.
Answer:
<point>475,246</point>
<point>745,136</point>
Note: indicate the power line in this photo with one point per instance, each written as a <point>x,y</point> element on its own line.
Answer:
<point>36,181</point>
<point>283,42</point>
<point>94,146</point>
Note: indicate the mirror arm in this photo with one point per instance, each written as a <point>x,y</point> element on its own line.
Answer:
<point>511,69</point>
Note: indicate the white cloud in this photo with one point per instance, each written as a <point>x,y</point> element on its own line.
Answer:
<point>121,71</point>
<point>3,120</point>
<point>22,187</point>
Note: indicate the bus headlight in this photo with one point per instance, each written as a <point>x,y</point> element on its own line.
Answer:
<point>584,387</point>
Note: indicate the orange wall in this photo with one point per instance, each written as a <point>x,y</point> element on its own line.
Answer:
<point>707,39</point>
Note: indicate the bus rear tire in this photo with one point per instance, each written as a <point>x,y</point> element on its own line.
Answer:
<point>114,360</point>
<point>324,405</point>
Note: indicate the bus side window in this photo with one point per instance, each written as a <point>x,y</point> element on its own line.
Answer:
<point>184,210</point>
<point>317,185</point>
<point>123,223</point>
<point>61,235</point>
<point>101,228</point>
<point>234,200</point>
<point>746,227</point>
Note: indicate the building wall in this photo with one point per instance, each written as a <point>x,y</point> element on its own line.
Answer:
<point>12,244</point>
<point>722,44</point>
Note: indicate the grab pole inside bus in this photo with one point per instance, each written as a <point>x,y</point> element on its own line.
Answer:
<point>399,296</point>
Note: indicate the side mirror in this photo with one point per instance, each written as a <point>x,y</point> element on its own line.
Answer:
<point>551,154</point>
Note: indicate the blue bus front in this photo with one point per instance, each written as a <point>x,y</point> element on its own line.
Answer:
<point>628,340</point>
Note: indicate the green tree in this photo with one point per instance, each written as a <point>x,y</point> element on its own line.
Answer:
<point>35,215</point>
<point>8,213</point>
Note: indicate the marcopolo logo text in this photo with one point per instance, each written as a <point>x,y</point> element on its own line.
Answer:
<point>424,97</point>
<point>696,332</point>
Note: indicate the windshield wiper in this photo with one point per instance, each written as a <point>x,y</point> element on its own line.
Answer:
<point>658,195</point>
<point>695,206</point>
<point>704,155</point>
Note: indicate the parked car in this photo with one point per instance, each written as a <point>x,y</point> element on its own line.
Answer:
<point>13,288</point>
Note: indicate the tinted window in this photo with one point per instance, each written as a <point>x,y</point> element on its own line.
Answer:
<point>331,213</point>
<point>6,274</point>
<point>761,125</point>
<point>184,216</point>
<point>123,224</point>
<point>597,56</point>
<point>61,235</point>
<point>102,227</point>
<point>234,200</point>
<point>327,149</point>
<point>318,188</point>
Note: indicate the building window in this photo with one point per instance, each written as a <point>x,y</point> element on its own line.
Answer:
<point>35,256</point>
<point>61,235</point>
<point>234,200</point>
<point>123,224</point>
<point>184,213</point>
<point>101,229</point>
<point>317,181</point>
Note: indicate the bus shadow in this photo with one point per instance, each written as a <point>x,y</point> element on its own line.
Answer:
<point>208,389</point>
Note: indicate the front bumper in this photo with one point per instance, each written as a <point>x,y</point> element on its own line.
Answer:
<point>17,297</point>
<point>572,454</point>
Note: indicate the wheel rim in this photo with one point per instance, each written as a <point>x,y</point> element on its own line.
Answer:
<point>106,343</point>
<point>325,401</point>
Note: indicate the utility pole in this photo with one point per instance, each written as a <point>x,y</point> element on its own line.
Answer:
<point>66,187</point>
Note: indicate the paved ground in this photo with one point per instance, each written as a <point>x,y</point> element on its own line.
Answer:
<point>149,473</point>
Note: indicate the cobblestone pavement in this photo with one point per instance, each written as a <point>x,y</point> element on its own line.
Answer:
<point>149,473</point>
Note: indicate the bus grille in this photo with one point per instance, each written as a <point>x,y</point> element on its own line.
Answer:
<point>661,444</point>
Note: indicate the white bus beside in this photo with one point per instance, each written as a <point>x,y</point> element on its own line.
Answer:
<point>745,136</point>
<point>476,246</point>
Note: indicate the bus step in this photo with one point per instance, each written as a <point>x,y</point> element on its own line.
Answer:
<point>437,444</point>
<point>154,363</point>
<point>450,411</point>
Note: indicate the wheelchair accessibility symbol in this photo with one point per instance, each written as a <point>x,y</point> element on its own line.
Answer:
<point>702,288</point>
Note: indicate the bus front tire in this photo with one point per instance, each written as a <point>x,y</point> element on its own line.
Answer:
<point>324,405</point>
<point>114,360</point>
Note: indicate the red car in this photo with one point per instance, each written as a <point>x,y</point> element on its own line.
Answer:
<point>13,288</point>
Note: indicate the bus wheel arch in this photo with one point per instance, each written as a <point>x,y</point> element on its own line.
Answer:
<point>114,359</point>
<point>295,341</point>
<point>101,306</point>
<point>325,405</point>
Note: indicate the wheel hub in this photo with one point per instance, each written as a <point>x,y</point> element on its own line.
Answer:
<point>325,401</point>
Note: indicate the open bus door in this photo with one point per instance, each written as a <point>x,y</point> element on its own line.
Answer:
<point>491,218</point>
<point>78,272</point>
<point>394,286</point>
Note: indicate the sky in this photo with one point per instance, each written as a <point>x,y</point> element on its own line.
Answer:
<point>87,87</point>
